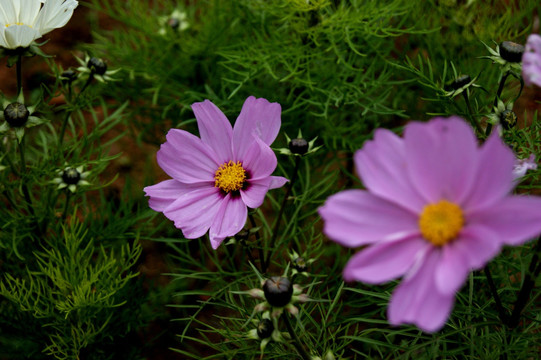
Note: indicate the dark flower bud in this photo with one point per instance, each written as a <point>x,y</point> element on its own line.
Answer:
<point>278,291</point>
<point>71,176</point>
<point>174,23</point>
<point>511,51</point>
<point>16,114</point>
<point>460,81</point>
<point>265,329</point>
<point>300,264</point>
<point>68,76</point>
<point>298,146</point>
<point>97,65</point>
<point>508,119</point>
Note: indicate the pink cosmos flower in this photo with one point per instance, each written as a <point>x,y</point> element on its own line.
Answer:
<point>436,207</point>
<point>531,61</point>
<point>215,177</point>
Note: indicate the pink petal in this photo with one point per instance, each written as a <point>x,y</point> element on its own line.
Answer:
<point>494,176</point>
<point>229,220</point>
<point>277,182</point>
<point>452,269</point>
<point>255,192</point>
<point>194,211</point>
<point>355,217</point>
<point>258,117</point>
<point>480,245</point>
<point>214,128</point>
<point>531,61</point>
<point>185,158</point>
<point>382,167</point>
<point>515,219</point>
<point>384,261</point>
<point>442,158</point>
<point>166,192</point>
<point>417,299</point>
<point>259,161</point>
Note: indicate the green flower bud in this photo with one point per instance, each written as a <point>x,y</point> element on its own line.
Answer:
<point>508,119</point>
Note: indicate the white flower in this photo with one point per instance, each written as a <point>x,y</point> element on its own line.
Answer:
<point>23,21</point>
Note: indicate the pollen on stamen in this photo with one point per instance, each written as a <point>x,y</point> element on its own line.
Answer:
<point>230,176</point>
<point>441,222</point>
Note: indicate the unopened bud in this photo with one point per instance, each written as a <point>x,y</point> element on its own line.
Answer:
<point>97,65</point>
<point>511,51</point>
<point>508,119</point>
<point>71,176</point>
<point>265,328</point>
<point>278,291</point>
<point>298,146</point>
<point>16,114</point>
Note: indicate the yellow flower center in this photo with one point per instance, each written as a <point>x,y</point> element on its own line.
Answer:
<point>230,176</point>
<point>441,222</point>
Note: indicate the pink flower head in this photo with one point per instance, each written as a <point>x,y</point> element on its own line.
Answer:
<point>436,207</point>
<point>215,177</point>
<point>531,61</point>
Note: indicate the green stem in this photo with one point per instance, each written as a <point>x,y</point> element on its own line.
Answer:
<point>504,318</point>
<point>26,193</point>
<point>258,238</point>
<point>527,286</point>
<point>498,95</point>
<point>66,205</point>
<point>296,341</point>
<point>266,261</point>
<point>19,74</point>
<point>69,112</point>
<point>473,121</point>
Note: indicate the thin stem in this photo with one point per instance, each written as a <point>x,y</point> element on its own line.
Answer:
<point>19,74</point>
<point>258,238</point>
<point>527,286</point>
<point>266,261</point>
<point>69,112</point>
<point>66,205</point>
<point>498,94</point>
<point>504,317</point>
<point>296,341</point>
<point>473,121</point>
<point>26,193</point>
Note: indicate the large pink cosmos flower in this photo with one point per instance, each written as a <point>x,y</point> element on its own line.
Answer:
<point>436,207</point>
<point>215,177</point>
<point>531,61</point>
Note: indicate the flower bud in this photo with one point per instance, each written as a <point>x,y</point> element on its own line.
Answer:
<point>278,291</point>
<point>511,51</point>
<point>298,146</point>
<point>68,76</point>
<point>174,23</point>
<point>16,114</point>
<point>460,81</point>
<point>300,264</point>
<point>265,328</point>
<point>97,65</point>
<point>508,119</point>
<point>71,176</point>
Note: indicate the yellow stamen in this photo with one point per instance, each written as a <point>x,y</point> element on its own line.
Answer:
<point>230,176</point>
<point>441,222</point>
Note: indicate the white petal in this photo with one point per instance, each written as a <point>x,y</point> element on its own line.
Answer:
<point>55,14</point>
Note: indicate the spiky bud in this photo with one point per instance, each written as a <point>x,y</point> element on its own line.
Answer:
<point>278,291</point>
<point>265,328</point>
<point>97,65</point>
<point>71,176</point>
<point>16,114</point>
<point>511,51</point>
<point>298,146</point>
